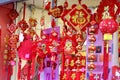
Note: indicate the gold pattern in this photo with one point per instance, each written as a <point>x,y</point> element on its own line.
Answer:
<point>72,63</point>
<point>78,18</point>
<point>73,76</point>
<point>79,7</point>
<point>64,76</point>
<point>82,77</point>
<point>66,64</point>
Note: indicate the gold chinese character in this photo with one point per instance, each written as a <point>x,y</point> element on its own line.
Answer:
<point>73,76</point>
<point>83,62</point>
<point>82,77</point>
<point>72,63</point>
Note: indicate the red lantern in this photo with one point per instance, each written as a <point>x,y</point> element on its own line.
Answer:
<point>92,30</point>
<point>91,66</point>
<point>108,25</point>
<point>92,38</point>
<point>92,48</point>
<point>79,47</point>
<point>91,57</point>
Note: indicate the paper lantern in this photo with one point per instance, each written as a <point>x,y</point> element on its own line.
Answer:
<point>108,25</point>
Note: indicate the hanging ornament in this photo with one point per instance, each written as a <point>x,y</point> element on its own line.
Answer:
<point>56,11</point>
<point>92,38</point>
<point>12,28</point>
<point>91,48</point>
<point>22,24</point>
<point>91,57</point>
<point>78,16</point>
<point>13,41</point>
<point>91,66</point>
<point>13,14</point>
<point>32,22</point>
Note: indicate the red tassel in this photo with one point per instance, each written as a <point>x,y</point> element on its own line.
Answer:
<point>29,69</point>
<point>19,69</point>
<point>53,24</point>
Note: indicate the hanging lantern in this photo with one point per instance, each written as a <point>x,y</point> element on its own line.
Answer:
<point>92,38</point>
<point>91,48</point>
<point>108,25</point>
<point>92,30</point>
<point>13,14</point>
<point>91,57</point>
<point>91,66</point>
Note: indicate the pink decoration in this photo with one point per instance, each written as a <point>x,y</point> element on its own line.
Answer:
<point>24,51</point>
<point>12,63</point>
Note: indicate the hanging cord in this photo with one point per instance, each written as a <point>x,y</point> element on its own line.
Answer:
<point>79,1</point>
<point>24,11</point>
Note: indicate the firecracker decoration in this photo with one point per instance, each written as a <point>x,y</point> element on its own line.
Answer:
<point>7,49</point>
<point>13,46</point>
<point>107,26</point>
<point>91,49</point>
